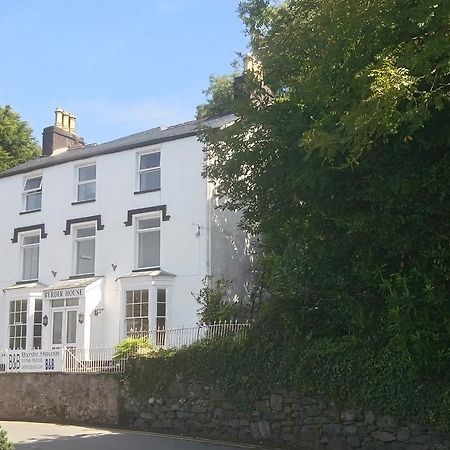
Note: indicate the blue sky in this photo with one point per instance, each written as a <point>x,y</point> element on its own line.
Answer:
<point>122,66</point>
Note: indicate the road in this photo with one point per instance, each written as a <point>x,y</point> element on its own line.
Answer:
<point>45,436</point>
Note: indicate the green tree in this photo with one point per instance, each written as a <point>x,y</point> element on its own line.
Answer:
<point>17,144</point>
<point>344,170</point>
<point>212,297</point>
<point>4,443</point>
<point>219,97</point>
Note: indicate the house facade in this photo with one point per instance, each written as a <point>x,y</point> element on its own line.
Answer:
<point>100,241</point>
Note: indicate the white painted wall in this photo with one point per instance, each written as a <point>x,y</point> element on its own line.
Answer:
<point>183,252</point>
<point>231,250</point>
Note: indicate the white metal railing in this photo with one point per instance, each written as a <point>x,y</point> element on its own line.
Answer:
<point>92,360</point>
<point>3,360</point>
<point>95,360</point>
<point>88,360</point>
<point>180,337</point>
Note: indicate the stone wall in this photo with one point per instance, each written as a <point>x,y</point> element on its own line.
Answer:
<point>70,398</point>
<point>281,418</point>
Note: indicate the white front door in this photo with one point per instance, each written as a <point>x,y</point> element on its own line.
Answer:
<point>64,322</point>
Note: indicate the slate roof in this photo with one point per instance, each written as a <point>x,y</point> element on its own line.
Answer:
<point>31,285</point>
<point>149,137</point>
<point>72,283</point>
<point>148,273</point>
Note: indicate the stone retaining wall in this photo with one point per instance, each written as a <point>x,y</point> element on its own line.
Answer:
<point>280,419</point>
<point>58,397</point>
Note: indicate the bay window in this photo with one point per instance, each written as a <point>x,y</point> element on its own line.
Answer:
<point>17,324</point>
<point>136,312</point>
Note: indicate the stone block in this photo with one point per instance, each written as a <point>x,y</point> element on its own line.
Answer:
<point>260,430</point>
<point>389,422</point>
<point>423,439</point>
<point>147,416</point>
<point>176,390</point>
<point>276,402</point>
<point>383,436</point>
<point>275,427</point>
<point>333,429</point>
<point>167,423</point>
<point>308,401</point>
<point>287,423</point>
<point>354,441</point>
<point>196,425</point>
<point>179,425</point>
<point>185,414</point>
<point>350,429</point>
<point>307,433</point>
<point>363,431</point>
<point>199,409</point>
<point>302,445</point>
<point>403,434</point>
<point>312,411</point>
<point>370,418</point>
<point>217,395</point>
<point>260,406</point>
<point>337,444</point>
<point>349,416</point>
<point>243,435</point>
<point>398,446</point>
<point>333,413</point>
<point>139,423</point>
<point>319,420</point>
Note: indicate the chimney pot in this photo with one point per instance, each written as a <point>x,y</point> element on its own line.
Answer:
<point>72,122</point>
<point>253,65</point>
<point>61,136</point>
<point>65,121</point>
<point>58,117</point>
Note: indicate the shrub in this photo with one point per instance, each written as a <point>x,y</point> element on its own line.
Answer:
<point>4,443</point>
<point>134,346</point>
<point>350,373</point>
<point>214,306</point>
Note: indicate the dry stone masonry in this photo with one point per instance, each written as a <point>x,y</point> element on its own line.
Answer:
<point>281,419</point>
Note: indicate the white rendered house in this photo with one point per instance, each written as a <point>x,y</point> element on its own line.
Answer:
<point>97,241</point>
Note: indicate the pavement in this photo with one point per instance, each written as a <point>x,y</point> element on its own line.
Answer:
<point>48,436</point>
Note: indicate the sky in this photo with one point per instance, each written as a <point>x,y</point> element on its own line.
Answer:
<point>121,66</point>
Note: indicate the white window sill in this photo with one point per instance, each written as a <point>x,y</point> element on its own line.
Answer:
<point>30,211</point>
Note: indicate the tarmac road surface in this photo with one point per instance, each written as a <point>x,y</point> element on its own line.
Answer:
<point>47,436</point>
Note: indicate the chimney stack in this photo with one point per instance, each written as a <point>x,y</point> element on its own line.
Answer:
<point>61,136</point>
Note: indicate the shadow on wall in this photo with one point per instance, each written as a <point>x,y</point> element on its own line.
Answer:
<point>232,252</point>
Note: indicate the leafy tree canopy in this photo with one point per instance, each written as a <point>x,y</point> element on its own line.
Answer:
<point>219,97</point>
<point>17,144</point>
<point>345,169</point>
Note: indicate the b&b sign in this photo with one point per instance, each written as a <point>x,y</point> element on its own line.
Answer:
<point>18,361</point>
